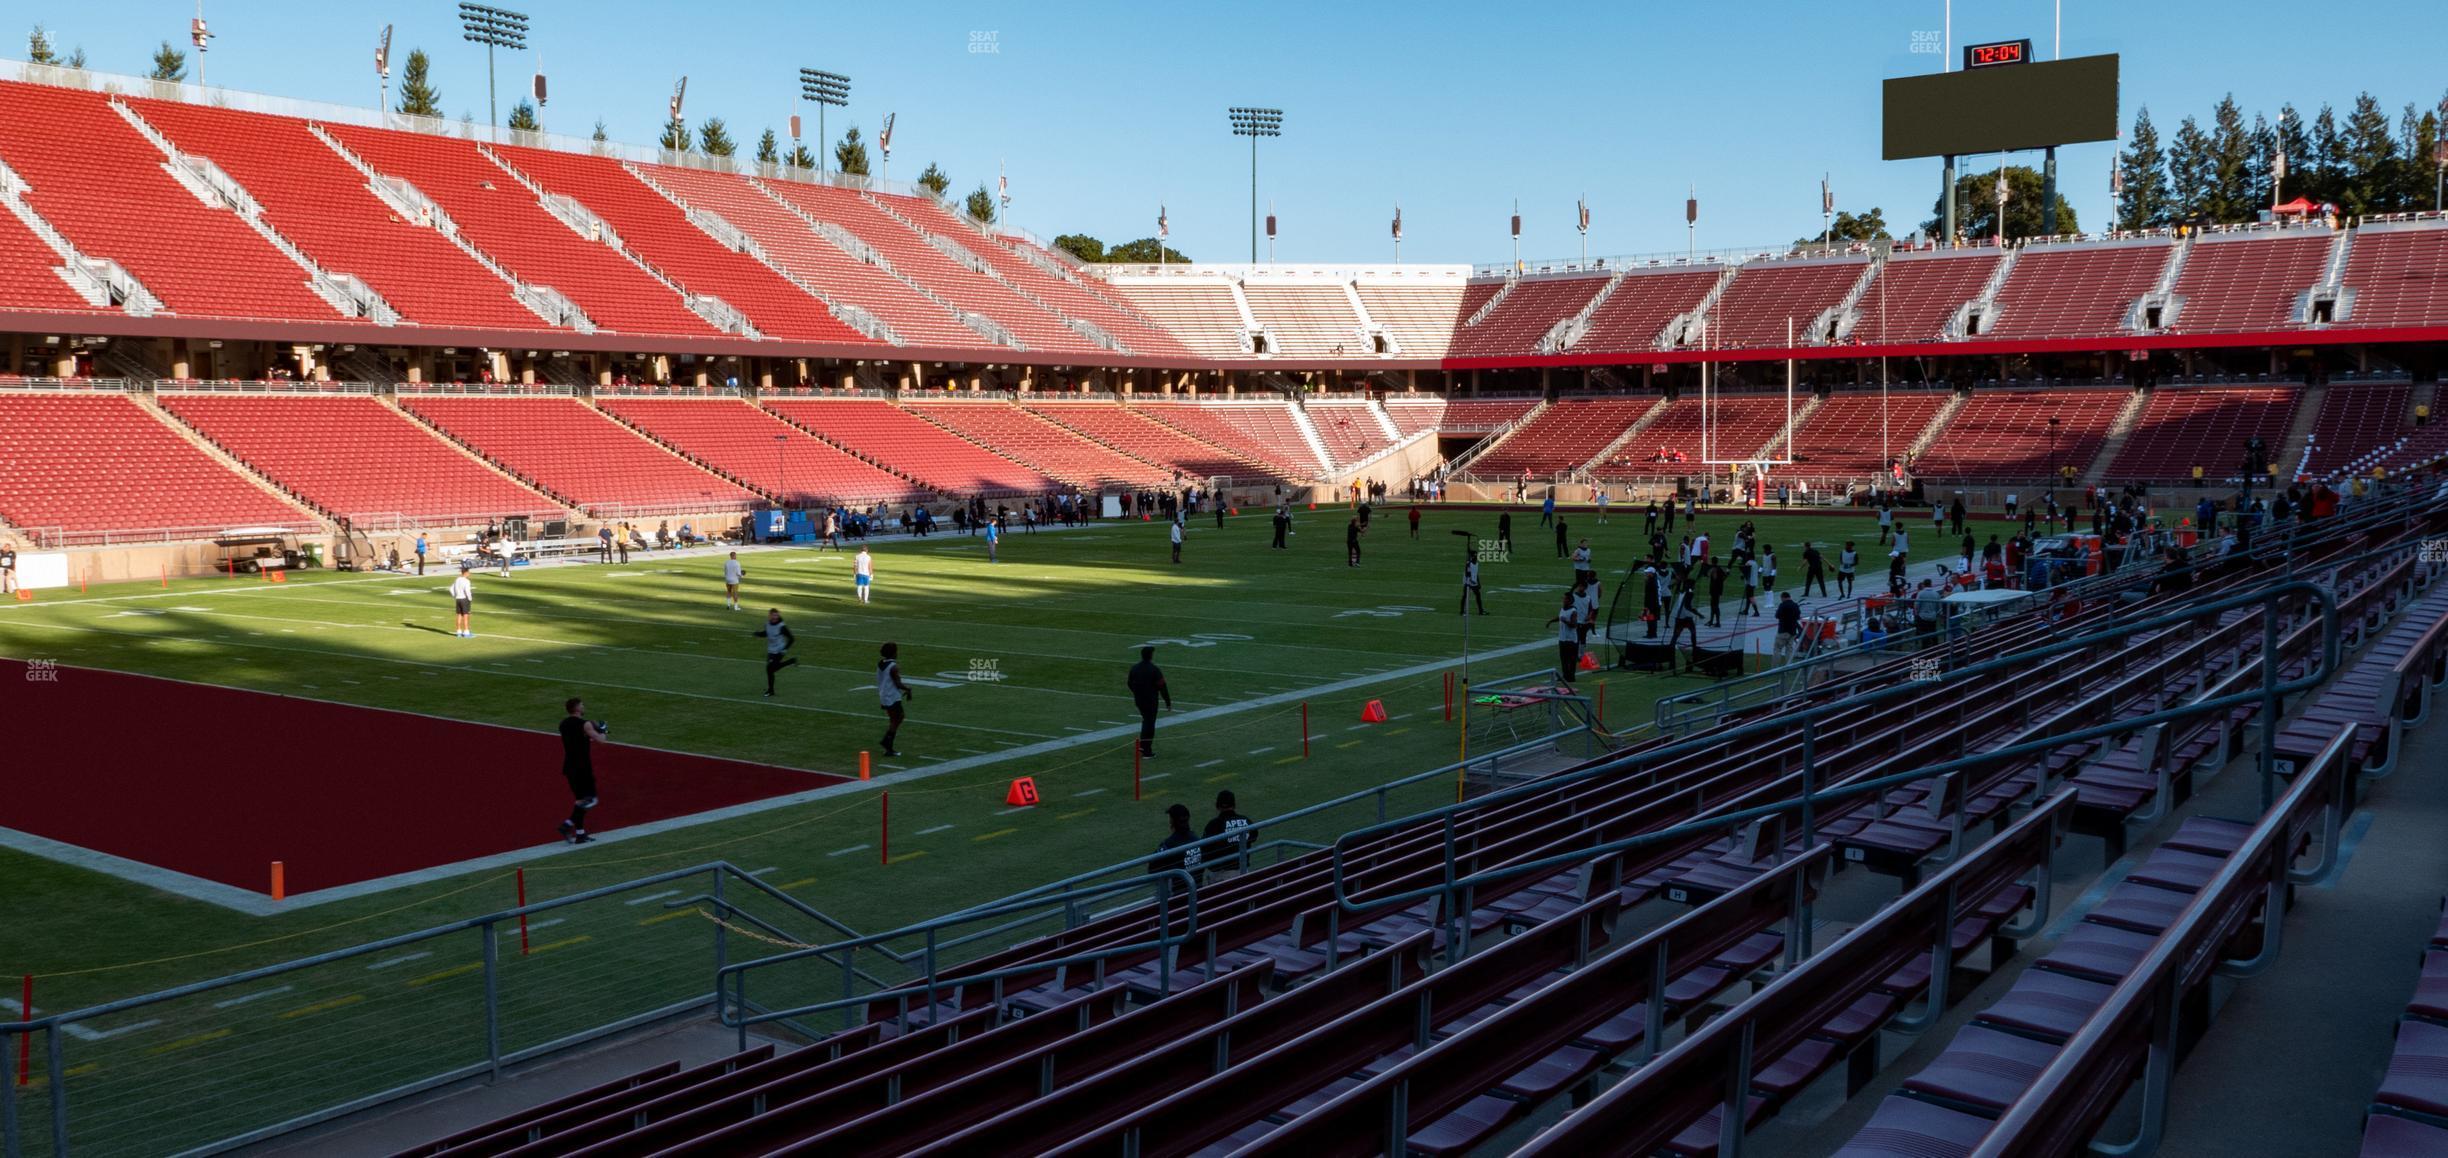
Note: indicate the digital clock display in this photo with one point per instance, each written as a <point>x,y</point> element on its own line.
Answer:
<point>2002,52</point>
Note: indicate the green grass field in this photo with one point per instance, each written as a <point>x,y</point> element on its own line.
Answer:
<point>651,646</point>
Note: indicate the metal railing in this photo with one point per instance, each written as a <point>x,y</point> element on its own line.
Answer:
<point>220,1064</point>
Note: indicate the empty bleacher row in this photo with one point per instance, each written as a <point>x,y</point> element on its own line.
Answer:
<point>565,448</point>
<point>353,456</point>
<point>89,463</point>
<point>1373,998</point>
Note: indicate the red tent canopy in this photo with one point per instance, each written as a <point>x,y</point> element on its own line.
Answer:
<point>2299,207</point>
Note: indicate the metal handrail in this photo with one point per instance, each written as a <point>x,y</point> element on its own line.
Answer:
<point>1806,801</point>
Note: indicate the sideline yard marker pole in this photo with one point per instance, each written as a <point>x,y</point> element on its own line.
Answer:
<point>884,828</point>
<point>1449,697</point>
<point>863,766</point>
<point>522,904</point>
<point>280,881</point>
<point>25,1041</point>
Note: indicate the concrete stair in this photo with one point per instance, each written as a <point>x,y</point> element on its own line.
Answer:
<point>2118,431</point>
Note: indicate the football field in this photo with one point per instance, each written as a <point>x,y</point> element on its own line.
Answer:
<point>1018,667</point>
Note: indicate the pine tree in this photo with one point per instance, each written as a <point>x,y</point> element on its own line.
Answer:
<point>2145,203</point>
<point>714,140</point>
<point>769,150</point>
<point>675,138</point>
<point>169,63</point>
<point>2418,135</point>
<point>2229,196</point>
<point>602,133</point>
<point>523,118</point>
<point>850,156</point>
<point>38,47</point>
<point>418,96</point>
<point>2262,141</point>
<point>2295,141</point>
<point>934,181</point>
<point>2371,160</point>
<point>801,158</point>
<point>2191,171</point>
<point>76,58</point>
<point>2328,158</point>
<point>981,204</point>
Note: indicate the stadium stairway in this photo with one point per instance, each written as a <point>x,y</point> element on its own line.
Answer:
<point>2119,429</point>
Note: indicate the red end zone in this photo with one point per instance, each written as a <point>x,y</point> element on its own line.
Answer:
<point>218,783</point>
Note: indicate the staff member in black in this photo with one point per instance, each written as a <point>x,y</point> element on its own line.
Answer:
<point>1351,542</point>
<point>1190,860</point>
<point>891,693</point>
<point>578,738</point>
<point>778,640</point>
<point>1147,685</point>
<point>1504,531</point>
<point>1228,819</point>
<point>1470,582</point>
<point>1283,525</point>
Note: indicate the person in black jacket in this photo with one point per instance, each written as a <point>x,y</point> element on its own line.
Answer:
<point>1228,819</point>
<point>578,737</point>
<point>1147,686</point>
<point>1283,525</point>
<point>1504,531</point>
<point>1189,859</point>
<point>778,642</point>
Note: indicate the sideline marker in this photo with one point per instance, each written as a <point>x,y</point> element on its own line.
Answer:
<point>1589,662</point>
<point>280,881</point>
<point>1449,677</point>
<point>1023,792</point>
<point>1374,713</point>
<point>24,596</point>
<point>863,773</point>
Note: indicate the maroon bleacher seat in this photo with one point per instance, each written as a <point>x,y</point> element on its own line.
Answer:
<point>1047,446</point>
<point>2248,281</point>
<point>99,462</point>
<point>2184,427</point>
<point>2075,291</point>
<point>1765,296</point>
<point>1915,296</point>
<point>2399,275</point>
<point>571,450</point>
<point>1633,317</point>
<point>906,444</point>
<point>1525,315</point>
<point>352,456</point>
<point>1563,437</point>
<point>762,450</point>
<point>2004,434</point>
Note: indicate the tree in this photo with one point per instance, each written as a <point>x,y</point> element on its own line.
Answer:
<point>169,63</point>
<point>769,150</point>
<point>2229,196</point>
<point>38,47</point>
<point>801,158</point>
<point>602,133</point>
<point>76,58</point>
<point>675,138</point>
<point>1142,252</point>
<point>2371,160</point>
<point>523,117</point>
<point>714,140</point>
<point>934,181</point>
<point>850,156</point>
<point>2328,159</point>
<point>1976,205</point>
<point>2262,141</point>
<point>981,204</point>
<point>2145,203</point>
<point>1081,246</point>
<point>2295,141</point>
<point>1846,227</point>
<point>2420,136</point>
<point>418,96</point>
<point>2189,172</point>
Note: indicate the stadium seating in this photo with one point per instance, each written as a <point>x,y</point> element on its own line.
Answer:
<point>353,457</point>
<point>1313,321</point>
<point>1198,311</point>
<point>789,243</point>
<point>1420,318</point>
<point>1855,432</point>
<point>1413,413</point>
<point>2004,434</point>
<point>2184,427</point>
<point>2358,421</point>
<point>930,267</point>
<point>1562,437</point>
<point>1131,432</point>
<point>1048,447</point>
<point>762,450</point>
<point>1915,295</point>
<point>2395,273</point>
<point>906,444</point>
<point>509,224</point>
<point>1738,427</point>
<point>658,232</point>
<point>566,448</point>
<point>1767,295</point>
<point>321,204</point>
<point>103,185</point>
<point>29,273</point>
<point>2248,281</point>
<point>1349,428</point>
<point>1071,298</point>
<point>2073,291</point>
<point>1525,315</point>
<point>95,462</point>
<point>1483,415</point>
<point>1632,318</point>
<point>1259,431</point>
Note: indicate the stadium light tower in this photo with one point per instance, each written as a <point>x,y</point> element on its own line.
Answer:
<point>1255,123</point>
<point>493,28</point>
<point>824,88</point>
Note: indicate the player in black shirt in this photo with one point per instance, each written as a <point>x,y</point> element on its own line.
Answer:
<point>1147,685</point>
<point>1228,820</point>
<point>578,737</point>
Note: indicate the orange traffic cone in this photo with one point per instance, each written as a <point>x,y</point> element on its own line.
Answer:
<point>1589,662</point>
<point>1374,713</point>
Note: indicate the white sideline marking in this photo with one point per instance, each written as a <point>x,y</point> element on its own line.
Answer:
<point>546,923</point>
<point>1092,791</point>
<point>1209,764</point>
<point>766,869</point>
<point>849,850</point>
<point>938,828</point>
<point>258,995</point>
<point>1256,752</point>
<point>400,960</point>
<point>1156,776</point>
<point>651,897</point>
<point>83,1032</point>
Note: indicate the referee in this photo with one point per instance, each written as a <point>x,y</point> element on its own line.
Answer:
<point>579,736</point>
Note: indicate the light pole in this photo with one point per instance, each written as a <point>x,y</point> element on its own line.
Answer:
<point>493,28</point>
<point>382,71</point>
<point>824,88</point>
<point>1255,123</point>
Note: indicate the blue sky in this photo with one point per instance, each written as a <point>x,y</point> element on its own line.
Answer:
<point>1099,111</point>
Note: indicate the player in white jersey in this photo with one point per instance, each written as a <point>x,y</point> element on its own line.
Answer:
<point>731,580</point>
<point>862,568</point>
<point>463,595</point>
